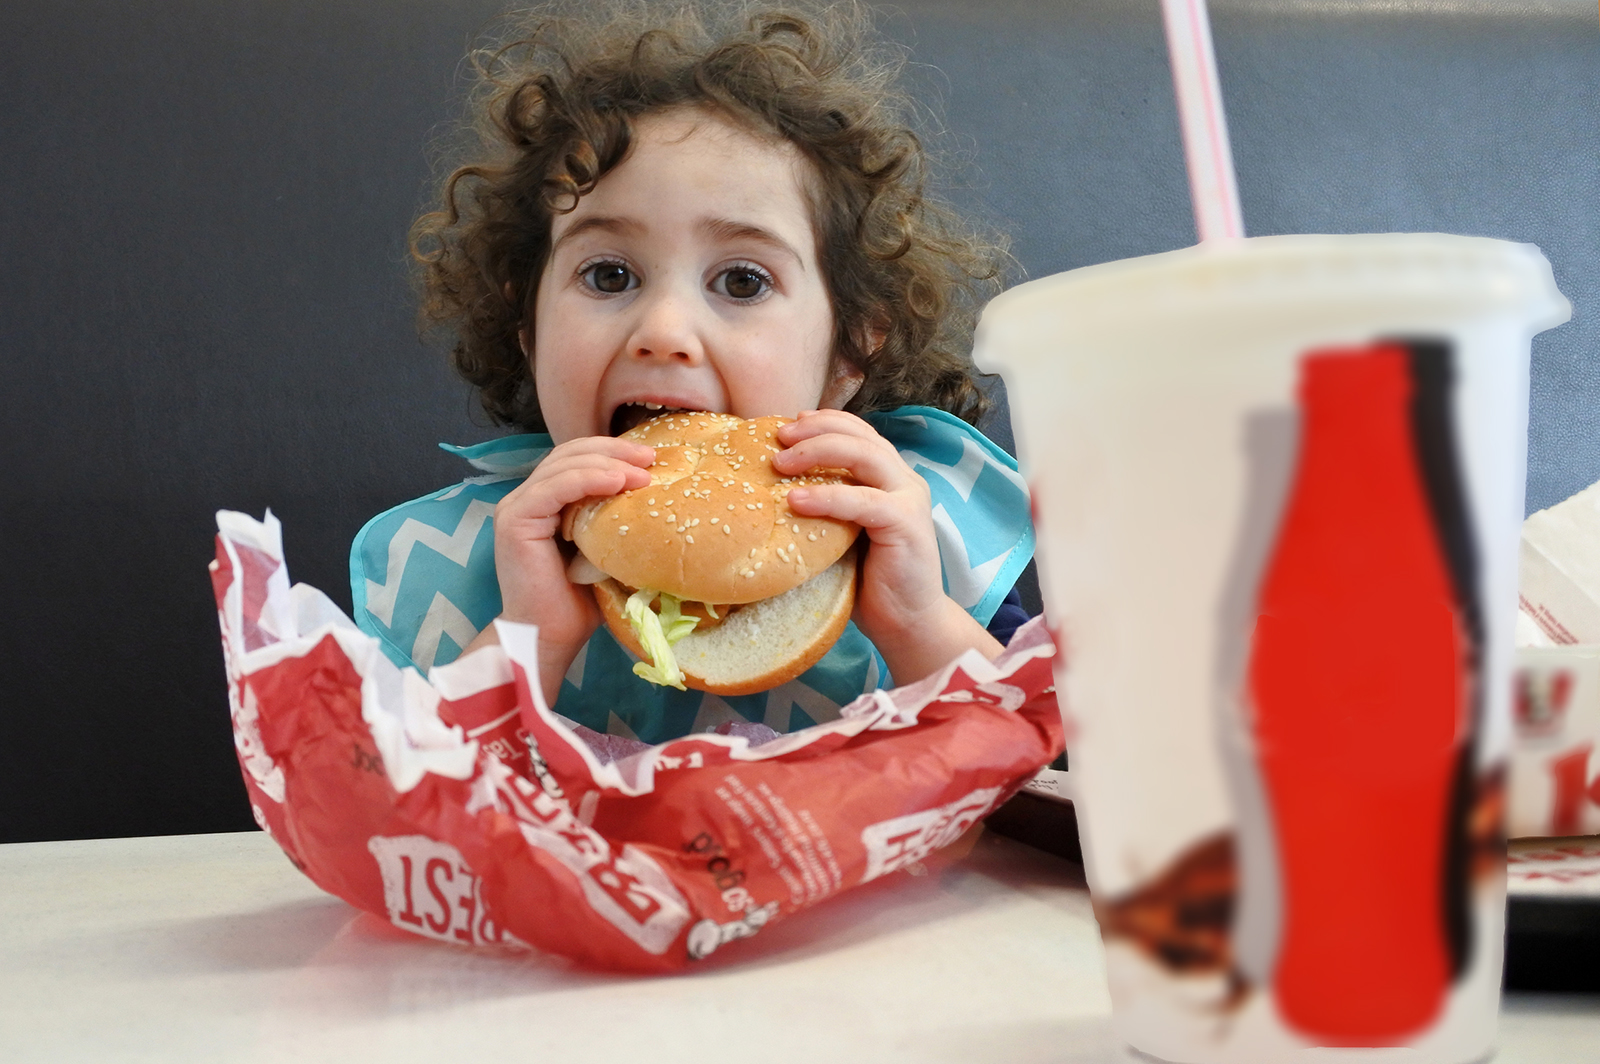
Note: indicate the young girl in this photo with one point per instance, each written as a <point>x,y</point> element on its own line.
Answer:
<point>680,214</point>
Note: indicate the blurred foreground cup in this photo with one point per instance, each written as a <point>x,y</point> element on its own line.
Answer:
<point>1279,488</point>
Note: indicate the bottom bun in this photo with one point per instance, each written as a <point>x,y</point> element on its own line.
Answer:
<point>760,645</point>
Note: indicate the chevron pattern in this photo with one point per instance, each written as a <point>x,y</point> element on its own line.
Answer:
<point>962,476</point>
<point>442,619</point>
<point>964,582</point>
<point>783,700</point>
<point>457,546</point>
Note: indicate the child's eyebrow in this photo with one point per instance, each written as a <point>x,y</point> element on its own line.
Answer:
<point>601,223</point>
<point>728,229</point>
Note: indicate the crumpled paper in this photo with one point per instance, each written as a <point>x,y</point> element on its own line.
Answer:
<point>461,808</point>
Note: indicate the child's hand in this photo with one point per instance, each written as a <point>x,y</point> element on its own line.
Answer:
<point>528,561</point>
<point>902,606</point>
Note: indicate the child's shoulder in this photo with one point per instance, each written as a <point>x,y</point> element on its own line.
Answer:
<point>980,502</point>
<point>412,600</point>
<point>934,432</point>
<point>502,463</point>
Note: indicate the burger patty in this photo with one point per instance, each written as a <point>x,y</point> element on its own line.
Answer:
<point>702,610</point>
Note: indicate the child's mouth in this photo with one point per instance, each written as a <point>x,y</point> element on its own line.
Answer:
<point>632,415</point>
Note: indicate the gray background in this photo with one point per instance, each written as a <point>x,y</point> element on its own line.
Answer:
<point>204,299</point>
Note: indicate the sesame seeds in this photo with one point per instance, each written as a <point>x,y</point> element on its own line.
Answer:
<point>623,531</point>
<point>708,462</point>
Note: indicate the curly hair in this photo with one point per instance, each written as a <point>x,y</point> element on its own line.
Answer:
<point>555,109</point>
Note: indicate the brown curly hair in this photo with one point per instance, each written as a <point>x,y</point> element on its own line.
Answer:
<point>554,113</point>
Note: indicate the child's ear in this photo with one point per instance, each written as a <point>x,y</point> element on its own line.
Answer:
<point>847,377</point>
<point>522,333</point>
<point>842,386</point>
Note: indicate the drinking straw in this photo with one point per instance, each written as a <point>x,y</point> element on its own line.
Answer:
<point>1205,131</point>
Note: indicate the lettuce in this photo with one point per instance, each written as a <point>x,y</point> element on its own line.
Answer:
<point>657,633</point>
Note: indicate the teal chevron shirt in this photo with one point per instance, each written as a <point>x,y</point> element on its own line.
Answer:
<point>423,580</point>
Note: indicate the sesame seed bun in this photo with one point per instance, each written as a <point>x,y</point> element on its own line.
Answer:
<point>713,525</point>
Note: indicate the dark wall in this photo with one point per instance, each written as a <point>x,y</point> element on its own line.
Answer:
<point>204,305</point>
<point>204,301</point>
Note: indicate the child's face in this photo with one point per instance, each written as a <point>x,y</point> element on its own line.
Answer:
<point>687,278</point>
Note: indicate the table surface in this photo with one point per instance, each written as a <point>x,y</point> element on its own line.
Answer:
<point>213,948</point>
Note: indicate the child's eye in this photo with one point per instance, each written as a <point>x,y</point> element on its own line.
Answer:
<point>609,277</point>
<point>743,282</point>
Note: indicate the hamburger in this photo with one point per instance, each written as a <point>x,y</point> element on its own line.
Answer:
<point>706,574</point>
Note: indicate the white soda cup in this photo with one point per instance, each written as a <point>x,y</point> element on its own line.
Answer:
<point>1220,516</point>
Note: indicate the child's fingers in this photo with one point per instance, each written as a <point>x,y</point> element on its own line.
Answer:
<point>637,454</point>
<point>547,497</point>
<point>557,464</point>
<point>868,507</point>
<point>816,422</point>
<point>872,460</point>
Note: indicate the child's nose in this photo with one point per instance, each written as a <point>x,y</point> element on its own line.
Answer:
<point>667,329</point>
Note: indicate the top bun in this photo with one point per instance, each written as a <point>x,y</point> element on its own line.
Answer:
<point>713,525</point>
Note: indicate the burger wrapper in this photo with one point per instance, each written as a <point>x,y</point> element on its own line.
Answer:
<point>461,808</point>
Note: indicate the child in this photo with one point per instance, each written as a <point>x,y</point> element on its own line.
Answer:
<point>677,216</point>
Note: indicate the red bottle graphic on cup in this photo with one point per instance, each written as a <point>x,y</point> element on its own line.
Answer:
<point>1362,689</point>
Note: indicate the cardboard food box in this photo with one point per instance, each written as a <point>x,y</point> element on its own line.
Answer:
<point>1555,780</point>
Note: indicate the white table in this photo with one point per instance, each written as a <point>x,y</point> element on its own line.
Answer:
<point>213,948</point>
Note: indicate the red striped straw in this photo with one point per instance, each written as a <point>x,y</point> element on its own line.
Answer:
<point>1205,130</point>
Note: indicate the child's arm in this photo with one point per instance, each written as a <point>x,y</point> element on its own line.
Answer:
<point>532,573</point>
<point>902,606</point>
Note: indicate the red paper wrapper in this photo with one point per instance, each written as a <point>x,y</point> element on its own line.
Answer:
<point>460,808</point>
